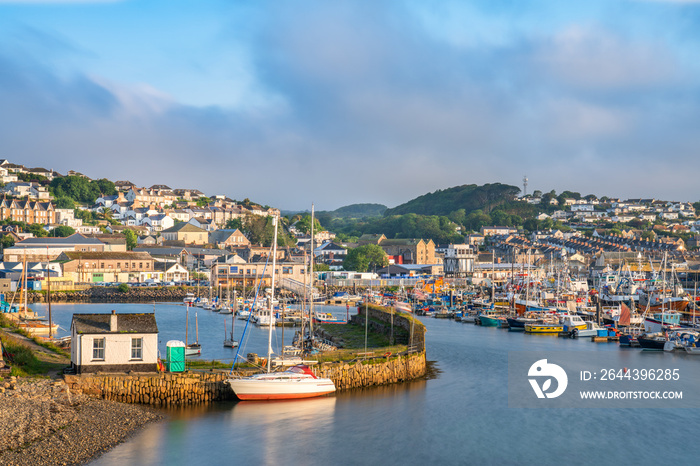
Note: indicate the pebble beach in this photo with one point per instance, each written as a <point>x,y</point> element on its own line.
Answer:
<point>41,422</point>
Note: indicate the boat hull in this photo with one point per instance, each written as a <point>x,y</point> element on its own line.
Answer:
<point>654,344</point>
<point>268,388</point>
<point>490,321</point>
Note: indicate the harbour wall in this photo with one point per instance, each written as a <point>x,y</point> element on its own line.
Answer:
<point>112,295</point>
<point>195,387</point>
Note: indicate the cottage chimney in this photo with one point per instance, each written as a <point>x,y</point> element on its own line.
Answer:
<point>113,321</point>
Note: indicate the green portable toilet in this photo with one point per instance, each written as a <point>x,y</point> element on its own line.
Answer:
<point>176,356</point>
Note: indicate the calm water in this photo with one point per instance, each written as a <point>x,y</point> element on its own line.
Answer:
<point>460,417</point>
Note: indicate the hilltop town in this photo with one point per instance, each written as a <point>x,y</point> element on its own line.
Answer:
<point>97,232</point>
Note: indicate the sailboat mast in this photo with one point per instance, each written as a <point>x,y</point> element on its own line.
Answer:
<point>272,293</point>
<point>311,278</point>
<point>187,321</point>
<point>48,290</point>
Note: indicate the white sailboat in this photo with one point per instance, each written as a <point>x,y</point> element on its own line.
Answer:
<point>229,342</point>
<point>192,349</point>
<point>296,382</point>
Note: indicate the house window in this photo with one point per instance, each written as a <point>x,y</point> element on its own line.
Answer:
<point>137,348</point>
<point>133,265</point>
<point>119,265</point>
<point>140,265</point>
<point>102,265</point>
<point>98,349</point>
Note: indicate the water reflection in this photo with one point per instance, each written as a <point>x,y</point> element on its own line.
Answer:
<point>460,417</point>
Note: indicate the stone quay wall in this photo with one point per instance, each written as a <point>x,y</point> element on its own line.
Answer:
<point>377,371</point>
<point>189,388</point>
<point>158,389</point>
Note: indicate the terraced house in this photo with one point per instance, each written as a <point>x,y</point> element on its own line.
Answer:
<point>27,211</point>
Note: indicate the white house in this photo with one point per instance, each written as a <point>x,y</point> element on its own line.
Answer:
<point>114,343</point>
<point>172,271</point>
<point>158,222</point>
<point>582,208</point>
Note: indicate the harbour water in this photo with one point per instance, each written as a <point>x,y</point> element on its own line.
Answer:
<point>460,416</point>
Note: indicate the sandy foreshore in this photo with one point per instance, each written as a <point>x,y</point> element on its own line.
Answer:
<point>42,423</point>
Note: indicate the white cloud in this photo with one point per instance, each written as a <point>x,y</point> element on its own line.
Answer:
<point>598,59</point>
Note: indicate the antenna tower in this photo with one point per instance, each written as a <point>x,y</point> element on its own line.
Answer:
<point>525,185</point>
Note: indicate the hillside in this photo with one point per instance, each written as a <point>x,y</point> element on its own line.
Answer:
<point>469,197</point>
<point>359,211</point>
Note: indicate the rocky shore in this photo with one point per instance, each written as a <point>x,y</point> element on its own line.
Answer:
<point>41,422</point>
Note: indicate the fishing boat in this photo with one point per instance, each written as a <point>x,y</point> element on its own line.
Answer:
<point>189,298</point>
<point>652,341</point>
<point>662,321</point>
<point>682,340</point>
<point>566,324</point>
<point>327,318</point>
<point>491,320</point>
<point>591,330</point>
<point>296,382</point>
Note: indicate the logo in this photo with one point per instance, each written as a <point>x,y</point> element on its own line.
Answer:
<point>543,369</point>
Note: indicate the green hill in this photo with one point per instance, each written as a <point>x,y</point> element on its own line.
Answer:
<point>469,197</point>
<point>359,211</point>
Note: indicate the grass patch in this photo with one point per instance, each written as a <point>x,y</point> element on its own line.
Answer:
<point>24,361</point>
<point>204,364</point>
<point>12,327</point>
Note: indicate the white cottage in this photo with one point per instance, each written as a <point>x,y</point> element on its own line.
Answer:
<point>114,342</point>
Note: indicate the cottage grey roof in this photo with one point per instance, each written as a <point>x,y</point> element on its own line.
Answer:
<point>221,235</point>
<point>76,238</point>
<point>161,251</point>
<point>126,323</point>
<point>185,227</point>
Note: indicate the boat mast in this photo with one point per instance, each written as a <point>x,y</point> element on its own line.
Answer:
<point>272,293</point>
<point>311,279</point>
<point>187,320</point>
<point>303,302</point>
<point>48,290</point>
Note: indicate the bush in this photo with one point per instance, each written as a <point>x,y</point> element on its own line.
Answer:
<point>123,288</point>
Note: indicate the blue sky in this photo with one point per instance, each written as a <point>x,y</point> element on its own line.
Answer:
<point>293,102</point>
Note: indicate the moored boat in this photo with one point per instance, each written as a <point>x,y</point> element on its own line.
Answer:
<point>296,382</point>
<point>652,341</point>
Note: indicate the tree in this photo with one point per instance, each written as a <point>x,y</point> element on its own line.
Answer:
<point>537,193</point>
<point>235,224</point>
<point>7,241</point>
<point>304,225</point>
<point>365,258</point>
<point>106,213</point>
<point>62,231</point>
<point>37,230</point>
<point>131,239</point>
<point>64,202</point>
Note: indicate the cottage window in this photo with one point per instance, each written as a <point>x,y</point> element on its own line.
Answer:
<point>98,349</point>
<point>137,348</point>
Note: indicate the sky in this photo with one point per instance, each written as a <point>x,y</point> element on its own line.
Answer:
<point>290,103</point>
